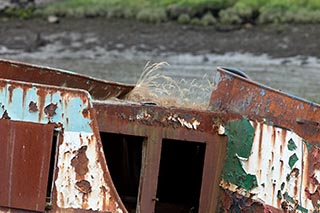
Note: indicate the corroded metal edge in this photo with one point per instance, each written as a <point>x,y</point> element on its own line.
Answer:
<point>98,89</point>
<point>256,101</point>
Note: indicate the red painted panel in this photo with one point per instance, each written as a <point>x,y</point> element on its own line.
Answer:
<point>24,165</point>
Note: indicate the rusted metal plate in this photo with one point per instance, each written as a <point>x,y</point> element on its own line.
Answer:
<point>268,164</point>
<point>235,94</point>
<point>174,123</point>
<point>98,89</point>
<point>82,180</point>
<point>234,202</point>
<point>25,159</point>
<point>149,174</point>
<point>157,123</point>
<point>262,146</point>
<point>214,159</point>
<point>272,153</point>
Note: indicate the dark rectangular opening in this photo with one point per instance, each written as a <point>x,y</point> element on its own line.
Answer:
<point>180,176</point>
<point>53,157</point>
<point>124,154</point>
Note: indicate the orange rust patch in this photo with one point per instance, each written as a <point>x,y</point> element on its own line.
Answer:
<point>11,88</point>
<point>80,161</point>
<point>83,186</point>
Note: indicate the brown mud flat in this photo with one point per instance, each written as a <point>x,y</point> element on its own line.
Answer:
<point>276,41</point>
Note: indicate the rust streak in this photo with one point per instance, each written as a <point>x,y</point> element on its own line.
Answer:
<point>11,88</point>
<point>260,145</point>
<point>281,168</point>
<point>273,189</point>
<point>41,101</point>
<point>273,138</point>
<point>295,188</point>
<point>104,192</point>
<point>25,90</point>
<point>85,204</point>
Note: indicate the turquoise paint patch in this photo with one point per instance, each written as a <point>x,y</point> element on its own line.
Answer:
<point>262,92</point>
<point>15,107</point>
<point>31,95</point>
<point>291,145</point>
<point>74,114</point>
<point>240,139</point>
<point>69,108</point>
<point>292,160</point>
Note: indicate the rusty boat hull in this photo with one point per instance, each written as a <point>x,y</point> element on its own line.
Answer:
<point>72,143</point>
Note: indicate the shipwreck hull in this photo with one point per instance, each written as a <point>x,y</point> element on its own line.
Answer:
<point>272,153</point>
<point>72,143</point>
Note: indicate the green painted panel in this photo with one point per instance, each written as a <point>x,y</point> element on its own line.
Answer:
<point>240,139</point>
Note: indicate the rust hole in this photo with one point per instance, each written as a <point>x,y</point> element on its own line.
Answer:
<point>80,161</point>
<point>83,186</point>
<point>50,109</point>
<point>5,115</point>
<point>85,112</point>
<point>33,107</point>
<point>284,205</point>
<point>295,172</point>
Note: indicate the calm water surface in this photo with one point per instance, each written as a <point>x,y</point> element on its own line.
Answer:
<point>298,75</point>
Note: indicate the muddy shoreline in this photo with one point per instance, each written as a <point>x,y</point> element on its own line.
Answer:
<point>276,41</point>
<point>283,57</point>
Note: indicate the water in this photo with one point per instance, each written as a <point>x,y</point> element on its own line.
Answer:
<point>297,75</point>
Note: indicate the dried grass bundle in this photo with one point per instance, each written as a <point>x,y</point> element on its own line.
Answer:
<point>165,91</point>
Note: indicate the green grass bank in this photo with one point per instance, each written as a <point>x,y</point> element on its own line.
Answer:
<point>197,12</point>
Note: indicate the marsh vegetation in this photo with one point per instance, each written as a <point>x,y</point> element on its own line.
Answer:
<point>196,12</point>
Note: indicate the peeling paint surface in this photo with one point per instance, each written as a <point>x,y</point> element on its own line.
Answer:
<point>81,181</point>
<point>284,155</point>
<point>69,195</point>
<point>54,106</point>
<point>270,141</point>
<point>240,139</point>
<point>184,123</point>
<point>282,163</point>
